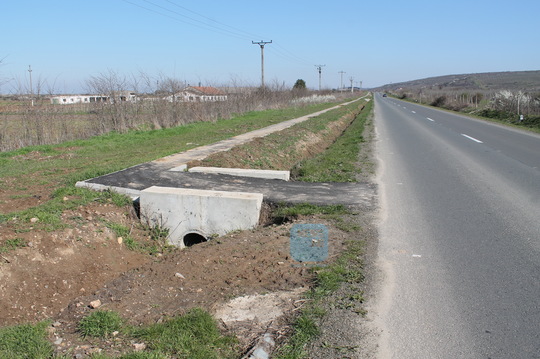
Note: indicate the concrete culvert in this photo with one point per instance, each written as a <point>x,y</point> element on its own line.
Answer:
<point>193,238</point>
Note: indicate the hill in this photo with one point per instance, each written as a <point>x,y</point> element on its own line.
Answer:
<point>527,81</point>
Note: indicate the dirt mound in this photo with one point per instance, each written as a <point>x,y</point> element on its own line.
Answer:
<point>56,275</point>
<point>207,275</point>
<point>49,269</point>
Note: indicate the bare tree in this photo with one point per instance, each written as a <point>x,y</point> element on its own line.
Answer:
<point>3,80</point>
<point>111,112</point>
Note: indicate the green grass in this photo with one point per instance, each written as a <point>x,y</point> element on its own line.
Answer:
<point>307,209</point>
<point>12,244</point>
<point>25,342</point>
<point>346,269</point>
<point>194,335</point>
<point>137,355</point>
<point>49,214</point>
<point>101,324</point>
<point>156,244</point>
<point>339,163</point>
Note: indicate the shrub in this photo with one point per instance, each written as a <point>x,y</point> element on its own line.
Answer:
<point>439,101</point>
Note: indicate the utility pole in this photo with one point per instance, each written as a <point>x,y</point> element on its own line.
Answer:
<point>261,44</point>
<point>351,79</point>
<point>31,90</point>
<point>319,67</point>
<point>341,86</point>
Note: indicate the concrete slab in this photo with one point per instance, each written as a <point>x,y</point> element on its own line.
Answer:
<point>133,193</point>
<point>241,172</point>
<point>138,178</point>
<point>200,213</point>
<point>181,168</point>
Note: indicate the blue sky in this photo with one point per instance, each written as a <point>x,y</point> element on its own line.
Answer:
<point>376,42</point>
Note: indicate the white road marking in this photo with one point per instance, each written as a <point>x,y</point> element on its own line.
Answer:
<point>413,111</point>
<point>432,120</point>
<point>472,138</point>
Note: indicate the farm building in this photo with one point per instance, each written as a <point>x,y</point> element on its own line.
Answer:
<point>198,94</point>
<point>73,99</point>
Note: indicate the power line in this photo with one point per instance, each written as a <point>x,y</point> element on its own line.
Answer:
<point>289,55</point>
<point>214,25</point>
<point>234,34</point>
<point>192,22</point>
<point>210,19</point>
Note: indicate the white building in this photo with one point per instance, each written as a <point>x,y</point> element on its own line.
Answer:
<point>73,99</point>
<point>198,94</point>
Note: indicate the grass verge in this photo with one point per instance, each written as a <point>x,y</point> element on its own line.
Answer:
<point>339,163</point>
<point>346,269</point>
<point>25,342</point>
<point>194,335</point>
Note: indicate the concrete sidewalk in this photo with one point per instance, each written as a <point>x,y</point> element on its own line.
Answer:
<point>170,172</point>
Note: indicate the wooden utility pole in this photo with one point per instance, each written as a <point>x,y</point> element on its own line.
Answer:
<point>261,44</point>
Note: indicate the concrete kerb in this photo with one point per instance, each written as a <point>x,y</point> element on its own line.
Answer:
<point>205,213</point>
<point>133,193</point>
<point>240,172</point>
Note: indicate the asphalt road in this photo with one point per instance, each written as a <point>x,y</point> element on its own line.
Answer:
<point>459,247</point>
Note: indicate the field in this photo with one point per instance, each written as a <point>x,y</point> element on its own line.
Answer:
<point>23,125</point>
<point>63,248</point>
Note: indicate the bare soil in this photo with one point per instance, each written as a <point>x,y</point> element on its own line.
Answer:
<point>60,275</point>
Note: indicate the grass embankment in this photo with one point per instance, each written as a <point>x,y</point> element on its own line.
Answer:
<point>339,162</point>
<point>194,335</point>
<point>318,150</point>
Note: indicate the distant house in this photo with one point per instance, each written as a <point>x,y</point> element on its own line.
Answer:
<point>198,94</point>
<point>73,99</point>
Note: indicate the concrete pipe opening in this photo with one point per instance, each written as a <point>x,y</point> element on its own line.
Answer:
<point>193,238</point>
